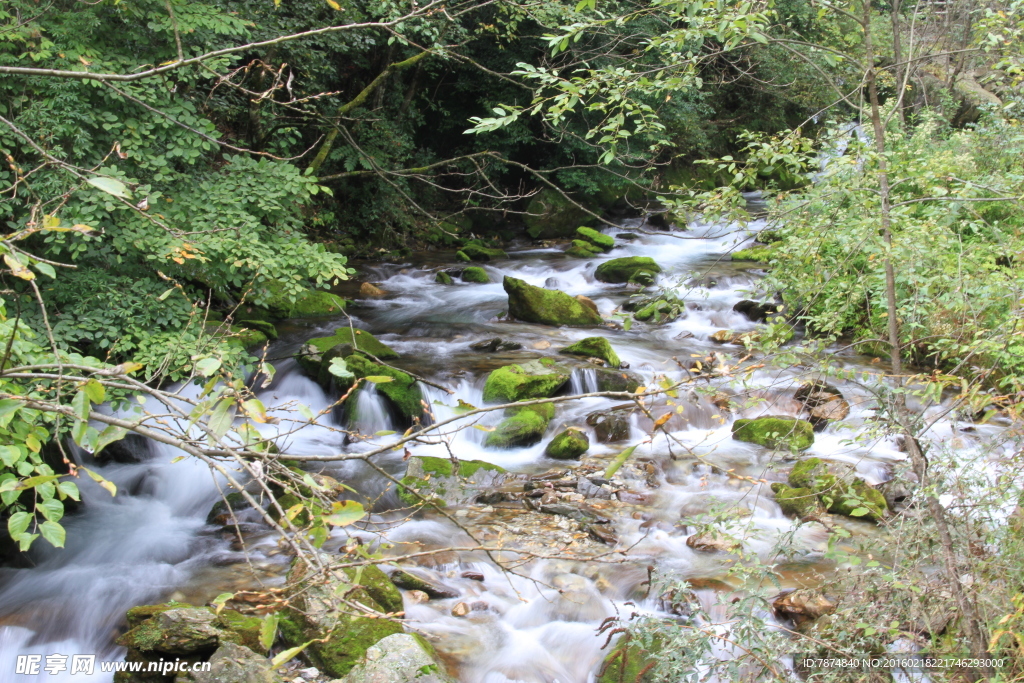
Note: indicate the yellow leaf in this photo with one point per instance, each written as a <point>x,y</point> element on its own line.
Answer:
<point>334,5</point>
<point>50,222</point>
<point>18,268</point>
<point>662,420</point>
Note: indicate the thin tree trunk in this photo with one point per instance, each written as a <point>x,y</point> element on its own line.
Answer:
<point>972,625</point>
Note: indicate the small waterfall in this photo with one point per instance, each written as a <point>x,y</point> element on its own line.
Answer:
<point>371,413</point>
<point>583,381</point>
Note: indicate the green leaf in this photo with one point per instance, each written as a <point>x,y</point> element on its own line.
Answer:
<point>53,532</point>
<point>9,455</point>
<point>80,404</point>
<point>385,432</point>
<point>859,512</point>
<point>33,482</point>
<point>18,523</point>
<point>109,436</point>
<point>268,630</point>
<point>69,489</point>
<point>345,513</point>
<point>618,462</point>
<point>51,509</point>
<point>338,368</point>
<point>208,366</point>
<point>45,269</point>
<point>108,485</point>
<point>222,417</point>
<point>8,409</point>
<point>110,186</point>
<point>95,391</point>
<point>221,600</point>
<point>379,379</point>
<point>255,409</point>
<point>287,655</point>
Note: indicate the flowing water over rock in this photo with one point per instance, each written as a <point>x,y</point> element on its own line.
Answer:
<point>153,542</point>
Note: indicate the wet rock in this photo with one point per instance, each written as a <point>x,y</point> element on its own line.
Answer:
<point>399,658</point>
<point>569,445</point>
<point>475,274</point>
<point>629,269</point>
<point>472,576</point>
<point>754,311</point>
<point>722,401</point>
<point>547,307</point>
<point>724,337</point>
<point>711,542</point>
<point>816,393</point>
<point>553,283</point>
<point>461,609</point>
<point>280,301</point>
<point>832,411</point>
<point>221,512</point>
<point>417,597</point>
<point>443,278</point>
<point>437,480</point>
<point>412,582</point>
<point>596,347</point>
<point>589,489</point>
<point>358,340</point>
<point>580,513</point>
<point>616,380</point>
<point>839,489</point>
<point>610,426</point>
<point>132,448</point>
<point>627,236</point>
<point>602,533</point>
<point>340,639</point>
<point>495,344</point>
<point>599,240</point>
<point>775,432</point>
<point>588,302</point>
<point>232,663</point>
<point>659,310</point>
<point>535,379</point>
<point>368,290</point>
<point>803,605</point>
<point>799,502</point>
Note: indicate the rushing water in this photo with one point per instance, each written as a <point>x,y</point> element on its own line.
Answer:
<point>152,542</point>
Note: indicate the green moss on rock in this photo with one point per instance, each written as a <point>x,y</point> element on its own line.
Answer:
<point>462,256</point>
<point>840,491</point>
<point>279,304</point>
<point>525,428</point>
<point>403,392</point>
<point>522,382</point>
<point>434,479</point>
<point>599,240</point>
<point>546,306</point>
<point>569,445</point>
<point>627,269</point>
<point>777,432</point>
<point>476,251</point>
<point>247,337</point>
<point>475,274</point>
<point>594,347</point>
<point>360,340</point>
<point>443,278</point>
<point>760,254</point>
<point>798,502</point>
<point>581,249</point>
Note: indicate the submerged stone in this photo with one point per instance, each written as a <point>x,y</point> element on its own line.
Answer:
<point>776,432</point>
<point>547,307</point>
<point>594,347</point>
<point>437,481</point>
<point>628,269</point>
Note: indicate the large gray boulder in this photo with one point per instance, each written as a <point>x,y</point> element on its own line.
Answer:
<point>401,658</point>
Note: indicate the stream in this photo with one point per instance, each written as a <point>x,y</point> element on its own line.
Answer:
<point>152,543</point>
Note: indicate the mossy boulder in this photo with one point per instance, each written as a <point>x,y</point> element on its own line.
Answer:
<point>436,480</point>
<point>401,658</point>
<point>475,274</point>
<point>798,502</point>
<point>569,445</point>
<point>523,427</point>
<point>581,249</point>
<point>839,489</point>
<point>546,306</point>
<point>359,340</point>
<point>476,251</point>
<point>760,254</point>
<point>628,269</point>
<point>600,241</point>
<point>443,278</point>
<point>535,379</point>
<point>776,432</point>
<point>277,303</point>
<point>247,337</point>
<point>403,393</point>
<point>340,639</point>
<point>550,215</point>
<point>462,256</point>
<point>594,347</point>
